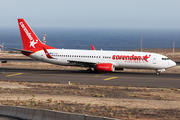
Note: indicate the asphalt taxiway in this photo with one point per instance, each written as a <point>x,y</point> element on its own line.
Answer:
<point>6,118</point>
<point>119,78</point>
<point>32,60</point>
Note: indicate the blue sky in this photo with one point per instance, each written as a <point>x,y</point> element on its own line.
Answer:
<point>92,13</point>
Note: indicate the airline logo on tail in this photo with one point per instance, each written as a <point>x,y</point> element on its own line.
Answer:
<point>32,41</point>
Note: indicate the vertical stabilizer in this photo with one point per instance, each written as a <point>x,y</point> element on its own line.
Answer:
<point>29,38</point>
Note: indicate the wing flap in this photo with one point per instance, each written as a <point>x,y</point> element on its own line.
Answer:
<point>81,62</point>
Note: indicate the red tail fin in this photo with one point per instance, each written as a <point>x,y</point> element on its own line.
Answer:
<point>30,40</point>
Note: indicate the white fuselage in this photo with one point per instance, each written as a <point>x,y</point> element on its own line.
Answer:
<point>121,59</point>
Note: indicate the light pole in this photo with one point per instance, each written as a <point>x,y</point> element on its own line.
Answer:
<point>2,46</point>
<point>173,49</point>
<point>44,38</point>
<point>141,42</point>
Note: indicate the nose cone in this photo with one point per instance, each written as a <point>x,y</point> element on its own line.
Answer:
<point>172,63</point>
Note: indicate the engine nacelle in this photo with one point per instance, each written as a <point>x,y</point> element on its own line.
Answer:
<point>105,67</point>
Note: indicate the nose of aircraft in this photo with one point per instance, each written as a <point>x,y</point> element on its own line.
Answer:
<point>172,63</point>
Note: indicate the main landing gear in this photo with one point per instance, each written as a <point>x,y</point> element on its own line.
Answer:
<point>89,70</point>
<point>157,73</point>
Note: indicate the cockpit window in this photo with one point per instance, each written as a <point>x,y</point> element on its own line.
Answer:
<point>165,58</point>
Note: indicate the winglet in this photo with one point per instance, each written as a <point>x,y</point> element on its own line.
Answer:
<point>47,54</point>
<point>93,47</point>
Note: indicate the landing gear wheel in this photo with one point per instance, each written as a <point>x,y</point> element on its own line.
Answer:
<point>157,73</point>
<point>89,70</point>
<point>95,70</point>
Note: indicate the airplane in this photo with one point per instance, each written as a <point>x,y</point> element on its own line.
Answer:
<point>103,61</point>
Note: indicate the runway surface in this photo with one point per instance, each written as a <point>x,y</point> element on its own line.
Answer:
<point>117,78</point>
<point>18,60</point>
<point>6,118</point>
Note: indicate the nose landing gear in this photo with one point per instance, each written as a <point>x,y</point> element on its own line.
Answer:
<point>159,71</point>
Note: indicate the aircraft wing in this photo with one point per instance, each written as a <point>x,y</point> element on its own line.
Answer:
<point>83,63</point>
<point>74,62</point>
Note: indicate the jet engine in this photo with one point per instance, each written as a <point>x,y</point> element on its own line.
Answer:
<point>105,67</point>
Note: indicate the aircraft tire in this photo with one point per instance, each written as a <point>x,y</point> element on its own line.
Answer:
<point>157,73</point>
<point>89,70</point>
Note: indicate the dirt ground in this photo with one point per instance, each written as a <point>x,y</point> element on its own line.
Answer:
<point>122,102</point>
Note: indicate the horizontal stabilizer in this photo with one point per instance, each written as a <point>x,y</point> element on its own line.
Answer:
<point>21,50</point>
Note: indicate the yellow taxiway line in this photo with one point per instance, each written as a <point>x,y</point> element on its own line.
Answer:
<point>110,78</point>
<point>14,74</point>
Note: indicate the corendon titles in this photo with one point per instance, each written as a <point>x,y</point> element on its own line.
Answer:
<point>32,41</point>
<point>131,58</point>
<point>26,31</point>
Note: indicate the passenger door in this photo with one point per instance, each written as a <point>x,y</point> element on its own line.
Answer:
<point>154,59</point>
